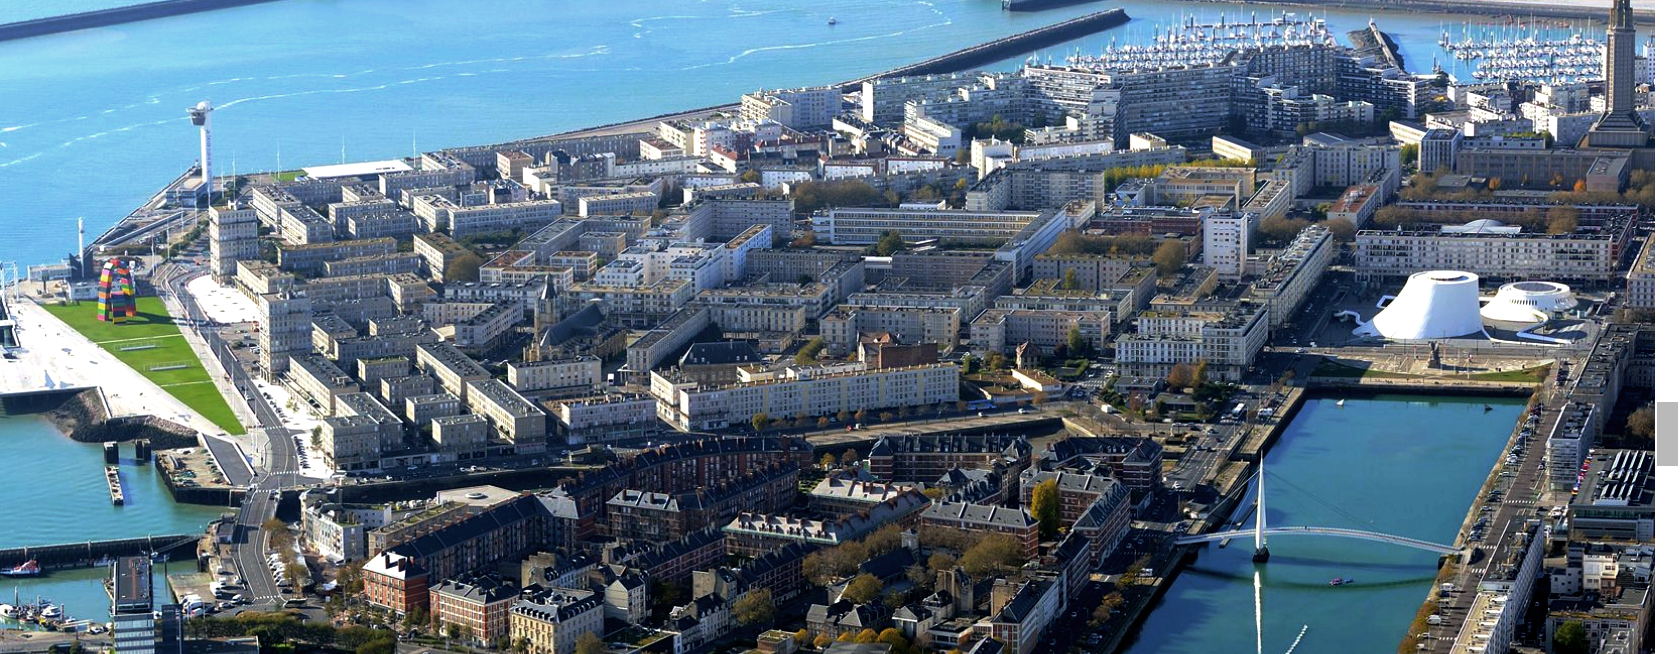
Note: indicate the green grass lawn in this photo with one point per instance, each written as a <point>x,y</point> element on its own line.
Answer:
<point>1533,375</point>
<point>152,326</point>
<point>1329,368</point>
<point>288,176</point>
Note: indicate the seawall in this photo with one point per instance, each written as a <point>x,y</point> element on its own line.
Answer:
<point>116,16</point>
<point>1010,46</point>
<point>88,554</point>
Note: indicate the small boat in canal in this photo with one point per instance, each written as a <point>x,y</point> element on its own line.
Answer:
<point>28,568</point>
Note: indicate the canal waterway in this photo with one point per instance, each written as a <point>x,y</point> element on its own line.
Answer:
<point>101,111</point>
<point>53,491</point>
<point>1398,464</point>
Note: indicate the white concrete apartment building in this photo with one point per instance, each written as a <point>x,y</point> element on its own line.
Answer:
<point>1581,256</point>
<point>1226,337</point>
<point>863,226</point>
<point>1045,295</point>
<point>1225,243</point>
<point>604,418</point>
<point>527,376</point>
<point>449,366</point>
<point>932,135</point>
<point>284,324</point>
<point>797,392</point>
<point>841,327</point>
<point>617,204</point>
<point>1090,271</point>
<point>1001,330</point>
<point>1293,273</point>
<point>805,108</point>
<point>1642,278</point>
<point>233,236</point>
<point>529,214</point>
<point>882,100</point>
<point>518,424</point>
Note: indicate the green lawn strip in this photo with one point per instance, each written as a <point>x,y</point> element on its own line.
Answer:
<point>152,325</point>
<point>150,320</point>
<point>1531,375</point>
<point>1333,369</point>
<point>208,402</point>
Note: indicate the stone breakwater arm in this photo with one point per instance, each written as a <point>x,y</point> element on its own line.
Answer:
<point>115,16</point>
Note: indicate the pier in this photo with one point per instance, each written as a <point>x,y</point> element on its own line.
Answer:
<point>113,481</point>
<point>91,553</point>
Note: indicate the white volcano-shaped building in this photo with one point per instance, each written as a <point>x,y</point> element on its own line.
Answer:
<point>1521,305</point>
<point>1434,304</point>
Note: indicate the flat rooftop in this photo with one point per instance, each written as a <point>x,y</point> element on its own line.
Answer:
<point>357,169</point>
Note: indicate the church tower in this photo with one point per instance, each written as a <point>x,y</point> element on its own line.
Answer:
<point>1620,126</point>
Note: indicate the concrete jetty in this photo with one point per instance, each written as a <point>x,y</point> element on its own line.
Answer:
<point>114,16</point>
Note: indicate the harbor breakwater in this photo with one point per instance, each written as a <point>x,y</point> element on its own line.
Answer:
<point>115,16</point>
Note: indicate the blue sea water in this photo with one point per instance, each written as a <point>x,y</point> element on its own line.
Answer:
<point>93,122</point>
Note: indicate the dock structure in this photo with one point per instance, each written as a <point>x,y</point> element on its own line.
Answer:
<point>100,552</point>
<point>113,481</point>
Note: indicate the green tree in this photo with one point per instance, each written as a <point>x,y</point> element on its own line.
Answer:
<point>1342,228</point>
<point>454,631</point>
<point>809,352</point>
<point>1047,510</point>
<point>1181,376</point>
<point>886,539</point>
<point>297,573</point>
<point>754,608</point>
<point>1409,154</point>
<point>941,561</point>
<point>828,461</point>
<point>863,588</point>
<point>752,177</point>
<point>1169,256</point>
<point>1070,281</point>
<point>1562,220</point>
<point>760,421</point>
<point>464,268</point>
<point>1570,638</point>
<point>590,643</point>
<point>1642,423</point>
<point>891,241</point>
<point>1075,342</point>
<point>993,555</point>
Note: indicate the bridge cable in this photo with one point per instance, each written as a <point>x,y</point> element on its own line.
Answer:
<point>1310,495</point>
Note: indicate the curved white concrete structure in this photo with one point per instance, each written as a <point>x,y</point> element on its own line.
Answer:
<point>1520,305</point>
<point>1434,304</point>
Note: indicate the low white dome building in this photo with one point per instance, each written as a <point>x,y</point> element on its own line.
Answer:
<point>1520,305</point>
<point>1433,304</point>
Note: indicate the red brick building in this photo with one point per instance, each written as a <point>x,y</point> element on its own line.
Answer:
<point>395,582</point>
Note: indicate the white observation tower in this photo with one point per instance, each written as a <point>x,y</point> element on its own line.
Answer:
<point>200,115</point>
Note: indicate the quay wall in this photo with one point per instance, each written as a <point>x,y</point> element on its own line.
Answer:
<point>82,555</point>
<point>40,401</point>
<point>115,16</point>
